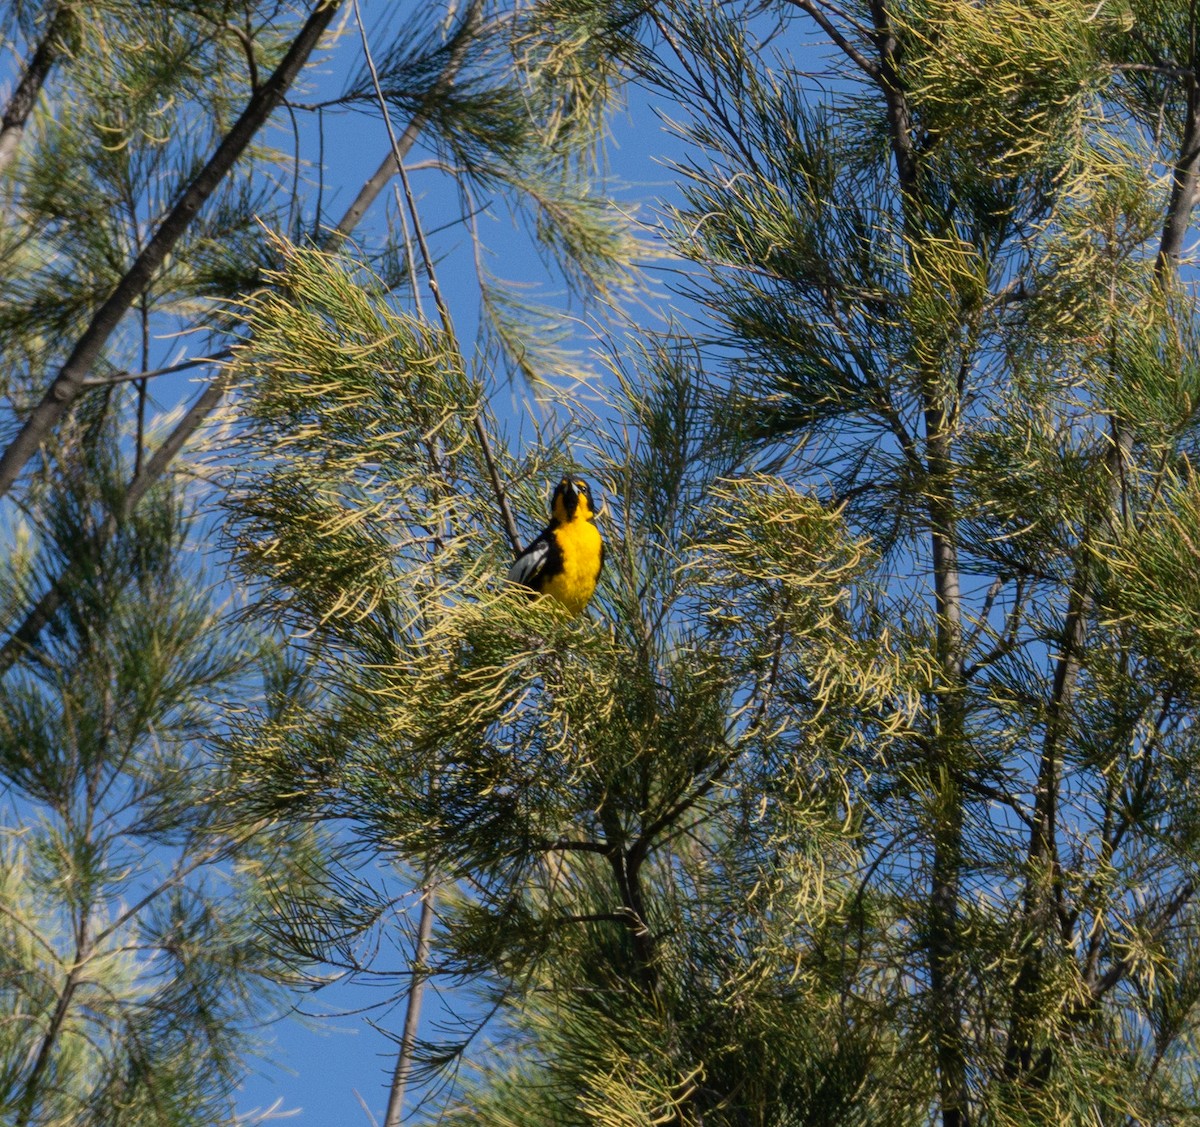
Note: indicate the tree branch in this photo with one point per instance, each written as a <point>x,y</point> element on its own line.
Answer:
<point>25,95</point>
<point>1183,188</point>
<point>169,370</point>
<point>1122,967</point>
<point>70,380</point>
<point>412,1012</point>
<point>21,639</point>
<point>869,68</point>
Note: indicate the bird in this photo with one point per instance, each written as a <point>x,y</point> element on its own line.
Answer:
<point>565,560</point>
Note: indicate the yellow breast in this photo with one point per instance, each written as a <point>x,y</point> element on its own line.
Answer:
<point>579,541</point>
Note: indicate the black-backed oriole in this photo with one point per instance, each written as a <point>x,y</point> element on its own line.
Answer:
<point>565,560</point>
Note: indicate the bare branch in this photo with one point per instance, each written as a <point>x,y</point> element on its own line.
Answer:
<point>869,68</point>
<point>1152,68</point>
<point>171,369</point>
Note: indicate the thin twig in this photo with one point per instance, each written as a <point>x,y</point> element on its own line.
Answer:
<point>847,48</point>
<point>170,369</point>
<point>510,524</point>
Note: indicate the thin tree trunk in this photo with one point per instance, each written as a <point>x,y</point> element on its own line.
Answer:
<point>943,940</point>
<point>1043,888</point>
<point>1043,882</point>
<point>1183,185</point>
<point>28,1102</point>
<point>25,95</point>
<point>33,1082</point>
<point>412,1013</point>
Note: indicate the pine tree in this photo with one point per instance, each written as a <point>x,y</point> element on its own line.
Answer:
<point>865,793</point>
<point>953,286</point>
<point>135,970</point>
<point>144,915</point>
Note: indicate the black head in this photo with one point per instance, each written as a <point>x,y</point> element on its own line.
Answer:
<point>572,498</point>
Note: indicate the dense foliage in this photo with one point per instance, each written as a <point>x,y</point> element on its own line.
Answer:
<point>863,792</point>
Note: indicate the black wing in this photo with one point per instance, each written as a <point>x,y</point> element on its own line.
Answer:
<point>532,565</point>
